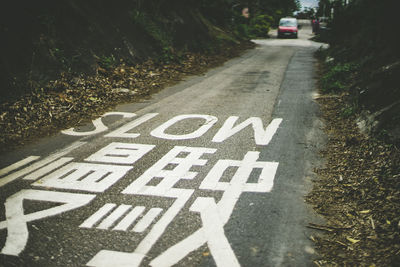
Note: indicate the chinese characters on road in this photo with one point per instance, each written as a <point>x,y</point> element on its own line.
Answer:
<point>104,168</point>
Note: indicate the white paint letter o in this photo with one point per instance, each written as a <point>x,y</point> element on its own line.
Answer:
<point>159,132</point>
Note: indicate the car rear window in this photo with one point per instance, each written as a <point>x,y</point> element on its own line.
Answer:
<point>288,23</point>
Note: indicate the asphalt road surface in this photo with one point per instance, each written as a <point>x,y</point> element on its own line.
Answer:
<point>210,172</point>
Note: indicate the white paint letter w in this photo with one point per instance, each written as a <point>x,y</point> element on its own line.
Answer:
<point>262,137</point>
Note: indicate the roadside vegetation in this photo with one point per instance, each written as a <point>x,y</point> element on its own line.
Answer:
<point>358,189</point>
<point>363,61</point>
<point>65,62</point>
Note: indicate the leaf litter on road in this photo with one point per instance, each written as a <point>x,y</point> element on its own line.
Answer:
<point>358,194</point>
<point>72,100</point>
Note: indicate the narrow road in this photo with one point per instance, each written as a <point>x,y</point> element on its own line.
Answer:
<point>210,172</point>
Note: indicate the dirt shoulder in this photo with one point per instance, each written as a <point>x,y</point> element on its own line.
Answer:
<point>357,192</point>
<point>73,100</point>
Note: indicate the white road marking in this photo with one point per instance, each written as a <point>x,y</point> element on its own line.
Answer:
<point>213,229</point>
<point>84,176</point>
<point>128,220</point>
<point>48,168</point>
<point>114,216</point>
<point>98,215</point>
<point>16,223</point>
<point>262,137</point>
<point>147,220</point>
<point>98,125</point>
<point>94,177</point>
<point>209,121</point>
<point>162,189</point>
<point>18,165</point>
<point>15,175</point>
<point>231,195</point>
<point>169,177</point>
<point>264,184</point>
<point>179,251</point>
<point>123,131</point>
<point>108,258</point>
<point>120,153</point>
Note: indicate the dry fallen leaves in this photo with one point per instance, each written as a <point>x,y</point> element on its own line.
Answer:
<point>359,189</point>
<point>71,100</point>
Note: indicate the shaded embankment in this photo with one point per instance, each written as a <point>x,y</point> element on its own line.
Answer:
<point>42,39</point>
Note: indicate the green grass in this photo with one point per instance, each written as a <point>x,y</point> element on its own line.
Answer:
<point>338,77</point>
